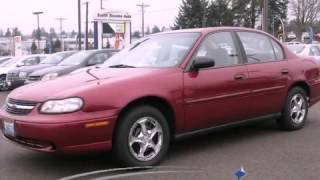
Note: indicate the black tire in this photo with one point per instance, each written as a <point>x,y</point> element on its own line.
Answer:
<point>121,147</point>
<point>3,86</point>
<point>286,122</point>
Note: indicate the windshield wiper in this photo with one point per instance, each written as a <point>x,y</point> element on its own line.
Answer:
<point>121,66</point>
<point>137,44</point>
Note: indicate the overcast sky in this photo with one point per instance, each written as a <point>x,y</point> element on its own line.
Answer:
<point>18,13</point>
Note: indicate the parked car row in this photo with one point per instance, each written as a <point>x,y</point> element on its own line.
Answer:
<point>307,50</point>
<point>16,62</point>
<point>28,69</point>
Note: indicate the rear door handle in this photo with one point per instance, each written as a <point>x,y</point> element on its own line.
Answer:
<point>285,71</point>
<point>240,77</point>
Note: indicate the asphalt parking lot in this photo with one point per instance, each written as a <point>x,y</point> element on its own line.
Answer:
<point>260,148</point>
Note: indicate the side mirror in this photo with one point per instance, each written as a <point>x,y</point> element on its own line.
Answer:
<point>202,62</point>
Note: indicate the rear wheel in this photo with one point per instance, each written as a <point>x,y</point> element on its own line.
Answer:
<point>142,137</point>
<point>295,112</point>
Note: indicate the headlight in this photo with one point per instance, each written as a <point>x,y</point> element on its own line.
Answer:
<point>62,106</point>
<point>49,76</point>
<point>22,75</point>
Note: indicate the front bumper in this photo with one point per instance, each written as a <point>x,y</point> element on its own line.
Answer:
<point>15,83</point>
<point>75,136</point>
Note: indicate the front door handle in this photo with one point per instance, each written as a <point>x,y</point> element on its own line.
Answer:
<point>240,77</point>
<point>285,71</point>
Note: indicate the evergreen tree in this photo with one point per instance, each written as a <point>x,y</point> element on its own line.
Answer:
<point>192,14</point>
<point>155,29</point>
<point>136,34</point>
<point>278,10</point>
<point>245,12</point>
<point>73,34</point>
<point>16,32</point>
<point>44,33</point>
<point>8,33</point>
<point>57,46</point>
<point>1,33</point>
<point>148,31</point>
<point>220,13</point>
<point>52,33</point>
<point>34,48</point>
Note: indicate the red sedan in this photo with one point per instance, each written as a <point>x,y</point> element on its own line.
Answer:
<point>163,86</point>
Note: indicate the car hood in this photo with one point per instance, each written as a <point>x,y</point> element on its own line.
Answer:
<point>74,84</point>
<point>55,69</point>
<point>5,70</point>
<point>29,69</point>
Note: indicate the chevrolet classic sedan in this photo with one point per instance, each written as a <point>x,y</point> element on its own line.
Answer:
<point>164,86</point>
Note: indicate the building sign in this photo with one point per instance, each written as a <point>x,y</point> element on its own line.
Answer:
<point>117,27</point>
<point>113,16</point>
<point>17,46</point>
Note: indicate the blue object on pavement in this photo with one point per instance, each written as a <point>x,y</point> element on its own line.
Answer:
<point>240,173</point>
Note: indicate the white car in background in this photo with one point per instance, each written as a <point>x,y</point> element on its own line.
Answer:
<point>5,59</point>
<point>308,50</point>
<point>18,62</point>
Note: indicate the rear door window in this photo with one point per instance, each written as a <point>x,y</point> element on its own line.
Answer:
<point>257,47</point>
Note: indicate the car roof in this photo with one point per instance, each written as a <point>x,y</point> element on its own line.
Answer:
<point>212,29</point>
<point>103,50</point>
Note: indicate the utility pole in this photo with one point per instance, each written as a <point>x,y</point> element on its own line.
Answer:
<point>61,41</point>
<point>38,22</point>
<point>87,22</point>
<point>101,4</point>
<point>142,6</point>
<point>79,24</point>
<point>265,10</point>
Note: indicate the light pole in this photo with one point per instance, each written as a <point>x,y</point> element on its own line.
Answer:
<point>38,33</point>
<point>60,21</point>
<point>87,24</point>
<point>79,23</point>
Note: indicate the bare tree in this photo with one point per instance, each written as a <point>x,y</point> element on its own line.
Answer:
<point>306,12</point>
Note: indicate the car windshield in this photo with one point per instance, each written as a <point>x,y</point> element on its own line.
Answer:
<point>54,59</point>
<point>11,62</point>
<point>166,50</point>
<point>75,59</point>
<point>296,49</point>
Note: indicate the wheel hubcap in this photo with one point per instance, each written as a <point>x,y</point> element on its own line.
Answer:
<point>298,108</point>
<point>145,139</point>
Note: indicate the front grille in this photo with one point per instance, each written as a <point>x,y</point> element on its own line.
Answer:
<point>34,78</point>
<point>12,76</point>
<point>32,143</point>
<point>19,107</point>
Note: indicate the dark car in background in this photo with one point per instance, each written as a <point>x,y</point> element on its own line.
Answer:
<point>78,60</point>
<point>18,76</point>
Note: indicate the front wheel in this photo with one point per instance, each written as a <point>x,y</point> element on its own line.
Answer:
<point>142,137</point>
<point>295,112</point>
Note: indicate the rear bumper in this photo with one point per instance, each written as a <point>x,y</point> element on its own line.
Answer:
<point>62,137</point>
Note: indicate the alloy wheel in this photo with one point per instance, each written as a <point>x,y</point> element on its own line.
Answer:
<point>145,139</point>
